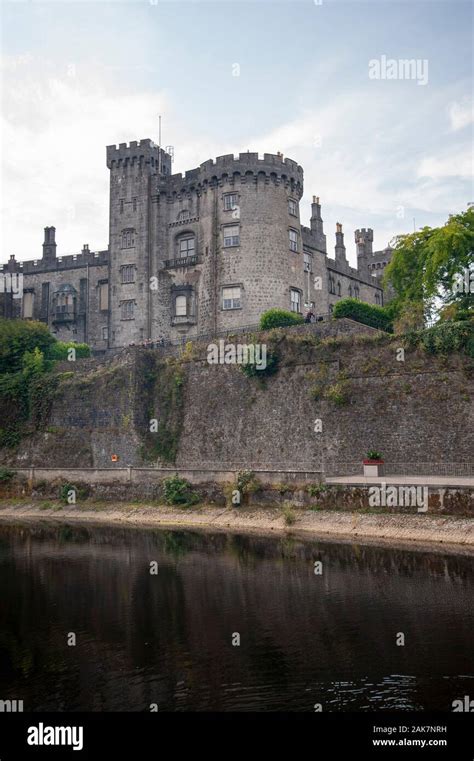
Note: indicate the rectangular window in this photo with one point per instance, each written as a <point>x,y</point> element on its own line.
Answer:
<point>185,247</point>
<point>293,236</point>
<point>127,310</point>
<point>134,200</point>
<point>307,262</point>
<point>231,236</point>
<point>231,298</point>
<point>180,306</point>
<point>295,300</point>
<point>230,201</point>
<point>121,206</point>
<point>103,296</point>
<point>45,301</point>
<point>128,273</point>
<point>128,238</point>
<point>28,305</point>
<point>292,207</point>
<point>105,333</point>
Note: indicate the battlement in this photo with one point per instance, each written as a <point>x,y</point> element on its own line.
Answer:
<point>142,151</point>
<point>271,168</point>
<point>70,261</point>
<point>366,234</point>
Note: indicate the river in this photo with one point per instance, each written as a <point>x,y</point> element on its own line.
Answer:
<point>187,621</point>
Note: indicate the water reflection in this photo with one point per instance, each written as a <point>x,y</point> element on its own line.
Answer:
<point>167,639</point>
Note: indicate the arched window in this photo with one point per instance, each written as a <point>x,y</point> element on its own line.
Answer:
<point>180,306</point>
<point>338,288</point>
<point>350,291</point>
<point>185,245</point>
<point>356,291</point>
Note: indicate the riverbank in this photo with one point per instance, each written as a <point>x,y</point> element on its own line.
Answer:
<point>448,533</point>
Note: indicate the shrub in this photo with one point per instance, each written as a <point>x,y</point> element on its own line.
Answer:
<point>279,318</point>
<point>338,393</point>
<point>251,369</point>
<point>447,337</point>
<point>80,491</point>
<point>368,314</point>
<point>315,490</point>
<point>288,514</point>
<point>177,491</point>
<point>246,482</point>
<point>6,475</point>
<point>59,350</point>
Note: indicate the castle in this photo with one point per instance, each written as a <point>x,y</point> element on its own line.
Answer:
<point>192,255</point>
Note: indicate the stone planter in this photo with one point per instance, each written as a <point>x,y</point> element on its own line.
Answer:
<point>373,468</point>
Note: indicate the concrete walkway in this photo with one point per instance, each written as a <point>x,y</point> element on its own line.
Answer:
<point>430,481</point>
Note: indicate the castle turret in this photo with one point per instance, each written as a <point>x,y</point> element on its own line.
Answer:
<point>135,172</point>
<point>316,222</point>
<point>364,239</point>
<point>49,245</point>
<point>340,249</point>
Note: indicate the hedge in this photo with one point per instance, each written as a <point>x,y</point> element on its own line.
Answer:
<point>368,314</point>
<point>279,318</point>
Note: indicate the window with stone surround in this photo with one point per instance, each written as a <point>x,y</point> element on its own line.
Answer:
<point>180,306</point>
<point>127,310</point>
<point>128,273</point>
<point>292,207</point>
<point>356,291</point>
<point>231,236</point>
<point>28,298</point>
<point>231,297</point>
<point>103,295</point>
<point>295,300</point>
<point>230,201</point>
<point>105,333</point>
<point>293,239</point>
<point>185,245</point>
<point>128,238</point>
<point>308,262</point>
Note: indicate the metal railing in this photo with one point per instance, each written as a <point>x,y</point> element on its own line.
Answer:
<point>182,261</point>
<point>391,468</point>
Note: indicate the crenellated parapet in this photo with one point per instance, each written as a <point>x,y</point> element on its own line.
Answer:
<point>139,153</point>
<point>67,262</point>
<point>229,169</point>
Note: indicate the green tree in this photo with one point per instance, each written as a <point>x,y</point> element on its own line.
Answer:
<point>432,267</point>
<point>18,337</point>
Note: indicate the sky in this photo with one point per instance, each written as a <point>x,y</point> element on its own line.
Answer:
<point>305,78</point>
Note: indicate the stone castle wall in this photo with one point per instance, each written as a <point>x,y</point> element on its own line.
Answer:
<point>416,411</point>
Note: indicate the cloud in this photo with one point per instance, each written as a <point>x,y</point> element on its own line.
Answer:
<point>54,130</point>
<point>458,163</point>
<point>461,114</point>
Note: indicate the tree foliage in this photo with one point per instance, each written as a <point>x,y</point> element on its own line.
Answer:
<point>18,337</point>
<point>432,266</point>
